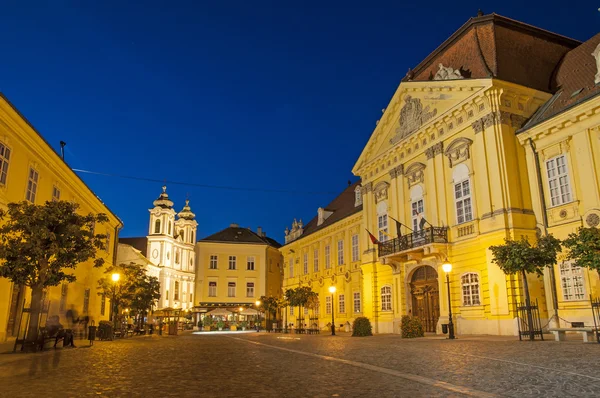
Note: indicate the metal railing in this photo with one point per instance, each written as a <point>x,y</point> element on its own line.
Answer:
<point>414,239</point>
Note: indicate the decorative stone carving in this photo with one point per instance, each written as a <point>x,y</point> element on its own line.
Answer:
<point>488,120</point>
<point>477,125</point>
<point>381,191</point>
<point>458,151</point>
<point>447,73</point>
<point>414,174</point>
<point>434,150</point>
<point>400,170</point>
<point>592,219</point>
<point>516,121</point>
<point>368,187</point>
<point>393,173</point>
<point>596,54</point>
<point>412,116</point>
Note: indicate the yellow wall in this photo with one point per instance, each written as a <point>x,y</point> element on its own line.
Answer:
<point>28,149</point>
<point>345,277</point>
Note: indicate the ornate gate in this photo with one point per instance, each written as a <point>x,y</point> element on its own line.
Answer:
<point>426,297</point>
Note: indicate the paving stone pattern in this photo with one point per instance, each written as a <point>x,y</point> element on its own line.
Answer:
<point>213,365</point>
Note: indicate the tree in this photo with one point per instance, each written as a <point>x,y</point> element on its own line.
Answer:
<point>40,243</point>
<point>520,257</point>
<point>269,306</point>
<point>584,248</point>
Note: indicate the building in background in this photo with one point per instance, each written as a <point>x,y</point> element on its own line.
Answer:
<point>31,170</point>
<point>327,252</point>
<point>235,267</point>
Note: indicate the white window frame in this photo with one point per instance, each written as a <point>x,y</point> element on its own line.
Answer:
<point>572,282</point>
<point>328,305</point>
<point>292,310</point>
<point>231,286</point>
<point>327,257</point>
<point>357,303</point>
<point>355,248</point>
<point>341,303</point>
<point>213,262</point>
<point>382,227</point>
<point>55,193</point>
<point>417,205</point>
<point>32,183</point>
<point>470,289</point>
<point>232,262</point>
<point>463,201</point>
<point>4,162</point>
<point>305,263</point>
<point>249,289</point>
<point>340,252</point>
<point>316,260</point>
<point>386,298</point>
<point>212,289</point>
<point>250,263</point>
<point>559,182</point>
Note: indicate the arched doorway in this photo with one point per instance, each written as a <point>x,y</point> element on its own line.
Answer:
<point>426,296</point>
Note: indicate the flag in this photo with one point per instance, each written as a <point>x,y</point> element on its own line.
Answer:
<point>373,238</point>
<point>422,223</point>
<point>398,226</point>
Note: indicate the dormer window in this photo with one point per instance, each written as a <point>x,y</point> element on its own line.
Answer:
<point>322,215</point>
<point>357,196</point>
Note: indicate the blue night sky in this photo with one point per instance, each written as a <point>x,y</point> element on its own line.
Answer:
<point>262,95</point>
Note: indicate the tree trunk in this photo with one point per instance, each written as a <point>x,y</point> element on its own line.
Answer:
<point>37,293</point>
<point>528,305</point>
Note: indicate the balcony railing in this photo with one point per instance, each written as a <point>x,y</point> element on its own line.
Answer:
<point>414,239</point>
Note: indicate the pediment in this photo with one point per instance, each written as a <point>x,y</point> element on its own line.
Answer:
<point>415,107</point>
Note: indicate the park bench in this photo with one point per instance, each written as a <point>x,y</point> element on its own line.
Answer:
<point>59,335</point>
<point>313,331</point>
<point>560,334</point>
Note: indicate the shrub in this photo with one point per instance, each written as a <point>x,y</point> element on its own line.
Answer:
<point>220,324</point>
<point>412,327</point>
<point>362,327</point>
<point>208,321</point>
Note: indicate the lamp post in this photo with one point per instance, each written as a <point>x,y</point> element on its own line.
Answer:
<point>258,314</point>
<point>447,267</point>
<point>115,279</point>
<point>332,291</point>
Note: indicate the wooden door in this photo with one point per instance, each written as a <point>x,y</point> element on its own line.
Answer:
<point>426,297</point>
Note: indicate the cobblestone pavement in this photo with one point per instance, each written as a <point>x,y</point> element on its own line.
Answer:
<point>275,365</point>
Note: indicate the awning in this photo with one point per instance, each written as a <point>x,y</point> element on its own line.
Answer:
<point>248,311</point>
<point>219,312</point>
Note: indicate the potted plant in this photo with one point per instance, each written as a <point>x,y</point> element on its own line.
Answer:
<point>198,326</point>
<point>220,324</point>
<point>208,321</point>
<point>233,326</point>
<point>244,324</point>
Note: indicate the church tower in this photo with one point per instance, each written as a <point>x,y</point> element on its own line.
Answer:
<point>185,235</point>
<point>161,229</point>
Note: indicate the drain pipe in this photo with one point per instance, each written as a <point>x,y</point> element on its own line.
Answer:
<point>545,223</point>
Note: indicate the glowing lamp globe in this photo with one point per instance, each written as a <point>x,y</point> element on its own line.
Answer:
<point>332,289</point>
<point>447,267</point>
<point>116,277</point>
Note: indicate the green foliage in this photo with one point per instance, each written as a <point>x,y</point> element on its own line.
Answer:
<point>268,304</point>
<point>584,248</point>
<point>362,327</point>
<point>220,324</point>
<point>208,320</point>
<point>411,327</point>
<point>520,256</point>
<point>244,324</point>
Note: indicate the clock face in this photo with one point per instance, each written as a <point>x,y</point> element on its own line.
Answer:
<point>155,253</point>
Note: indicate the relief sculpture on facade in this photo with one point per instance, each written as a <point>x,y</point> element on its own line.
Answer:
<point>412,116</point>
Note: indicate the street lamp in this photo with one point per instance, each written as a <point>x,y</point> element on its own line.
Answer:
<point>332,291</point>
<point>257,302</point>
<point>115,278</point>
<point>447,267</point>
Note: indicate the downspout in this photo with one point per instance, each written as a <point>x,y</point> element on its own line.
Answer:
<point>545,223</point>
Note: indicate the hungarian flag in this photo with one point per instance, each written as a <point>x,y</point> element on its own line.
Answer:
<point>373,238</point>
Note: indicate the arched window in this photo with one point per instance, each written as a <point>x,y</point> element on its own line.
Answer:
<point>462,194</point>
<point>183,235</point>
<point>169,227</point>
<point>192,240</point>
<point>417,207</point>
<point>157,227</point>
<point>177,256</point>
<point>470,289</point>
<point>386,298</point>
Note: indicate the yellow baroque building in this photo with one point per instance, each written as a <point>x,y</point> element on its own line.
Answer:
<point>31,170</point>
<point>327,252</point>
<point>450,170</point>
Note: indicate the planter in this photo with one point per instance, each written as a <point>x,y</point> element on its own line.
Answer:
<point>243,328</point>
<point>233,327</point>
<point>220,328</point>
<point>195,328</point>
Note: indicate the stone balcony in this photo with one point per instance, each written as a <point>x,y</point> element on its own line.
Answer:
<point>414,243</point>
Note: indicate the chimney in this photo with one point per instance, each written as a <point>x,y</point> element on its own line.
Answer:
<point>259,231</point>
<point>62,149</point>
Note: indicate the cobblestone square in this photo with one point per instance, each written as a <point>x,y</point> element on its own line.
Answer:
<point>275,365</point>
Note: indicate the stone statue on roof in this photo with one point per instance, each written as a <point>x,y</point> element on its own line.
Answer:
<point>447,73</point>
<point>596,54</point>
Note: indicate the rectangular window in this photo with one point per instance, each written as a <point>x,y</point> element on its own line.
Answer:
<point>191,298</point>
<point>212,289</point>
<point>462,196</point>
<point>32,183</point>
<point>213,262</point>
<point>4,159</point>
<point>305,310</point>
<point>176,295</point>
<point>417,209</point>
<point>231,289</point>
<point>64,289</point>
<point>558,180</point>
<point>470,289</point>
<point>107,242</point>
<point>232,261</point>
<point>86,301</point>
<point>167,294</point>
<point>250,264</point>
<point>103,305</point>
<point>340,253</point>
<point>355,252</point>
<point>382,226</point>
<point>327,257</point>
<point>316,260</point>
<point>356,302</point>
<point>291,267</point>
<point>55,194</point>
<point>250,289</point>
<point>342,304</point>
<point>571,281</point>
<point>292,311</point>
<point>386,298</point>
<point>305,263</point>
<point>328,305</point>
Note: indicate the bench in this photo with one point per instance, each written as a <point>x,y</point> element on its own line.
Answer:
<point>560,334</point>
<point>313,331</point>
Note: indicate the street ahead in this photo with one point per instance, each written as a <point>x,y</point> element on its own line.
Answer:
<point>275,365</point>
